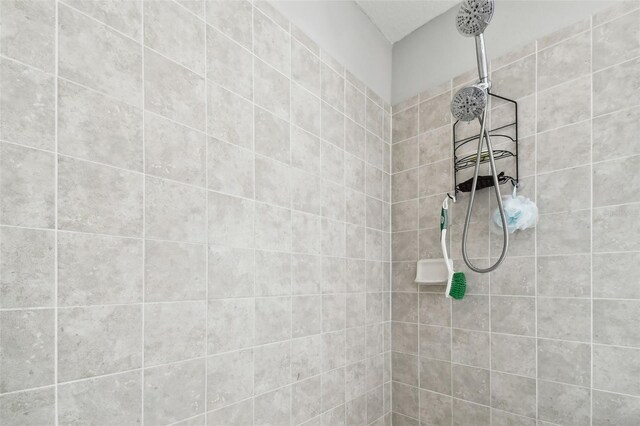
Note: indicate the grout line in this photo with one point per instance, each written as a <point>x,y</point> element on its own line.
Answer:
<point>144,210</point>
<point>591,73</point>
<point>56,227</point>
<point>206,183</point>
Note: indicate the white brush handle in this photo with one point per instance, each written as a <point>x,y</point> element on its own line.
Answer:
<point>443,243</point>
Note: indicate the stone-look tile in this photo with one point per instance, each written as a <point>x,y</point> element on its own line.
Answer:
<point>273,408</point>
<point>231,272</point>
<point>333,352</point>
<point>84,278</point>
<point>27,271</point>
<point>195,6</point>
<point>473,314</point>
<point>305,67</point>
<point>305,151</point>
<point>306,314</point>
<point>271,89</point>
<point>230,324</point>
<point>613,322</point>
<point>435,342</point>
<point>435,145</point>
<point>174,392</point>
<point>567,319</point>
<point>566,362</point>
<point>610,82</point>
<point>29,407</point>
<point>566,104</point>
<point>405,124</point>
<point>174,211</point>
<point>96,56</point>
<point>563,404</point>
<point>552,187</point>
<point>564,61</point>
<point>230,220</point>
<point>98,128</point>
<point>306,357</point>
<point>234,18</point>
<point>555,271</point>
<point>610,271</point>
<point>333,388</point>
<point>229,378</point>
<point>435,409</point>
<point>404,337</point>
<point>404,368</point>
<point>405,155</point>
<point>272,136</point>
<point>575,139</point>
<point>98,340</point>
<point>332,87</point>
<point>306,400</point>
<point>610,129</point>
<point>271,43</point>
<point>470,384</point>
<point>354,141</point>
<point>354,104</point>
<point>95,198</point>
<point>173,91</point>
<point>305,110</point>
<point>499,62</point>
<point>603,179</point>
<point>174,331</point>
<point>470,413</point>
<point>272,364</point>
<point>229,64</point>
<point>229,117</point>
<point>614,369</point>
<point>273,228</point>
<point>124,16</point>
<point>173,151</point>
<point>405,185</point>
<point>405,400</point>
<point>616,41</point>
<point>28,32</point>
<point>513,315</point>
<point>502,418</point>
<point>435,375</point>
<point>273,273</point>
<point>435,178</point>
<point>514,394</point>
<point>27,187</point>
<point>435,112</point>
<point>272,319</point>
<point>230,169</point>
<point>517,79</point>
<point>27,105</point>
<point>119,396</point>
<point>27,341</point>
<point>516,277</point>
<point>404,307</point>
<point>563,33</point>
<point>332,125</point>
<point>613,232</point>
<point>175,271</point>
<point>565,234</point>
<point>513,354</point>
<point>470,348</point>
<point>174,32</point>
<point>236,414</point>
<point>614,409</point>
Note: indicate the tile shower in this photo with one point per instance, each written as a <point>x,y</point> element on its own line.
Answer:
<point>195,220</point>
<point>207,219</point>
<point>551,336</point>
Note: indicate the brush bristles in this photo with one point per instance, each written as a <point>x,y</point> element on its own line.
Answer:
<point>458,285</point>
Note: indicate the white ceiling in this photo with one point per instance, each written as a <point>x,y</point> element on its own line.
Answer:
<point>397,18</point>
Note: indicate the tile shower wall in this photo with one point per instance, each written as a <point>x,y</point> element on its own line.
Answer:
<point>195,220</point>
<point>552,335</point>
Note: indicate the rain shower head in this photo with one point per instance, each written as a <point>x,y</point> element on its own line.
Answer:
<point>474,16</point>
<point>468,103</point>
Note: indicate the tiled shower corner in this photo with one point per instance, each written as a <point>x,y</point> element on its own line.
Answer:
<point>195,220</point>
<point>549,338</point>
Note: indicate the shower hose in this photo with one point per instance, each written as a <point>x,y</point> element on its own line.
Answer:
<point>496,187</point>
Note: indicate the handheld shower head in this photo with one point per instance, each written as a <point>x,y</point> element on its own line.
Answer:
<point>474,16</point>
<point>468,103</point>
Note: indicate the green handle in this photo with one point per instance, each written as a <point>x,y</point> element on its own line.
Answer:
<point>443,219</point>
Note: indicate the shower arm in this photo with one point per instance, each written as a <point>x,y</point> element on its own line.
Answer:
<point>496,183</point>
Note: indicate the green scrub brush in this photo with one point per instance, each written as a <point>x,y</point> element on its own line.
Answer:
<point>456,282</point>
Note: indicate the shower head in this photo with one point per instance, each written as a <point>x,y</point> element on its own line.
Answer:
<point>468,103</point>
<point>474,16</point>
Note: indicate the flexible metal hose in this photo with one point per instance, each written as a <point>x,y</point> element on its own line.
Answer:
<point>496,183</point>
